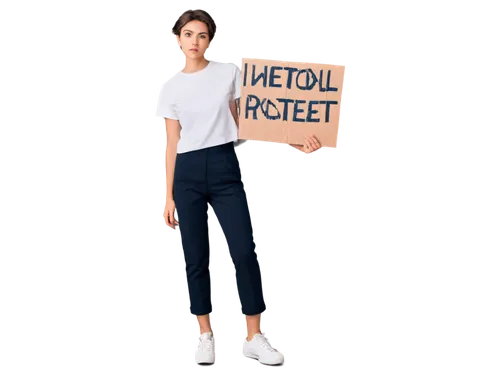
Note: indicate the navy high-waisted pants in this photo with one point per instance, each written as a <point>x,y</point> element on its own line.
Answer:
<point>212,176</point>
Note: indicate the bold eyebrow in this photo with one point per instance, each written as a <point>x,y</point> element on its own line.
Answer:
<point>203,32</point>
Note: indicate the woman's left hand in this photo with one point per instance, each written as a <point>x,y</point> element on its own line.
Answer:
<point>311,144</point>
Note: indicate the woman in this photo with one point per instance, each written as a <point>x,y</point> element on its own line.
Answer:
<point>200,105</point>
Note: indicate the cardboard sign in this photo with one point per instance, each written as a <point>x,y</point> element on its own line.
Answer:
<point>283,101</point>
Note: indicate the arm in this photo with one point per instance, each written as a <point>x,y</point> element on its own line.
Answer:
<point>234,106</point>
<point>298,147</point>
<point>173,135</point>
<point>164,165</point>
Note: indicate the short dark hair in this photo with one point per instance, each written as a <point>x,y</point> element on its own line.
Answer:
<point>199,15</point>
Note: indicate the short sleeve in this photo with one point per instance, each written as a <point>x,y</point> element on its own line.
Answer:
<point>236,82</point>
<point>166,106</point>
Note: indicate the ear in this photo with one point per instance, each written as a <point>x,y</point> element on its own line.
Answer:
<point>178,40</point>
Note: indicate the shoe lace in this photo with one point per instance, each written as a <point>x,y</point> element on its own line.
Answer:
<point>264,342</point>
<point>206,343</point>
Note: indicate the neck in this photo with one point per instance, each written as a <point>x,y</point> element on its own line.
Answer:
<point>192,66</point>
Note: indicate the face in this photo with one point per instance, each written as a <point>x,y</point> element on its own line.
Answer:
<point>194,39</point>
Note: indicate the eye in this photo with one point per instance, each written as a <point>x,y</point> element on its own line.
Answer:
<point>186,34</point>
<point>203,36</point>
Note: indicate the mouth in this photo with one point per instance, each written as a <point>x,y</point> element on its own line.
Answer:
<point>194,49</point>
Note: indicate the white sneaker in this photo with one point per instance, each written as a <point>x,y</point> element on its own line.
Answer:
<point>260,348</point>
<point>206,349</point>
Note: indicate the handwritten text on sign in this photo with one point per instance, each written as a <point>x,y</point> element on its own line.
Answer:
<point>303,111</point>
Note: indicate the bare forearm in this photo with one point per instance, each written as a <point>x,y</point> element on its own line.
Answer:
<point>298,147</point>
<point>235,111</point>
<point>170,156</point>
<point>237,119</point>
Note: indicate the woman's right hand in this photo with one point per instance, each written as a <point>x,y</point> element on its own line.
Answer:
<point>169,214</point>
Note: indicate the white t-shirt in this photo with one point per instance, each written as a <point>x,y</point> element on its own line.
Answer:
<point>200,101</point>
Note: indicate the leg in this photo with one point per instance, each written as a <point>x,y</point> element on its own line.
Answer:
<point>253,325</point>
<point>191,206</point>
<point>204,321</point>
<point>228,199</point>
